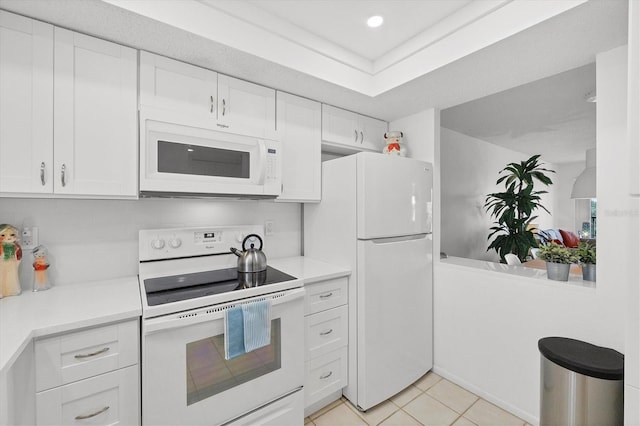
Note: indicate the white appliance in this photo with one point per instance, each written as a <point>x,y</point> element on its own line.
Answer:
<point>188,279</point>
<point>375,217</point>
<point>178,160</point>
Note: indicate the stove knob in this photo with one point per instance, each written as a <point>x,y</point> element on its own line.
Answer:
<point>157,244</point>
<point>175,243</point>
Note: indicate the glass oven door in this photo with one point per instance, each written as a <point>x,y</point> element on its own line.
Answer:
<point>186,379</point>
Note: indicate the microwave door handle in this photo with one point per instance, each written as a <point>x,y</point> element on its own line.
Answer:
<point>262,153</point>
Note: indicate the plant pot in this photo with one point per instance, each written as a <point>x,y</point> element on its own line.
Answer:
<point>558,271</point>
<point>589,272</point>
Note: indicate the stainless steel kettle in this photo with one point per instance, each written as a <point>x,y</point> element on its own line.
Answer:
<point>251,259</point>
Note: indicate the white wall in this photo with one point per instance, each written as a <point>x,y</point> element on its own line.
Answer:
<point>98,239</point>
<point>469,170</point>
<point>568,214</point>
<point>418,130</point>
<point>486,324</point>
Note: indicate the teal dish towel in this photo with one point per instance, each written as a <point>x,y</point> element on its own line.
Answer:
<point>233,332</point>
<point>257,324</point>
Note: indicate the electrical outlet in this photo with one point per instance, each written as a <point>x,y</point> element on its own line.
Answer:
<point>29,239</point>
<point>268,227</point>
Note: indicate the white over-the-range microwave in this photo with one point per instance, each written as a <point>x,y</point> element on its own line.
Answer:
<point>185,160</point>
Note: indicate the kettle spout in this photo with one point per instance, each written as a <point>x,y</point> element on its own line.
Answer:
<point>235,251</point>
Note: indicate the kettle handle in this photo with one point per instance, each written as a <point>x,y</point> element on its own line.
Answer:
<point>249,236</point>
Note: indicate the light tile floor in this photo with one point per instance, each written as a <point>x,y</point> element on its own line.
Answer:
<point>431,400</point>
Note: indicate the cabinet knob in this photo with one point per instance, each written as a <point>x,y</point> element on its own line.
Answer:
<point>355,132</point>
<point>224,107</point>
<point>361,137</point>
<point>212,103</point>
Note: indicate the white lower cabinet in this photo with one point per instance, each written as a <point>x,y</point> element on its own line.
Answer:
<point>89,376</point>
<point>326,340</point>
<point>325,375</point>
<point>108,399</point>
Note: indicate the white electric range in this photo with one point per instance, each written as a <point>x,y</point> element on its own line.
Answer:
<point>188,279</point>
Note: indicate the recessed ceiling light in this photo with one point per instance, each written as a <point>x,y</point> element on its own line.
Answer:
<point>375,21</point>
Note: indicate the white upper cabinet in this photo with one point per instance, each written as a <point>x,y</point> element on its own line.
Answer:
<point>373,131</point>
<point>246,108</point>
<point>347,132</point>
<point>26,105</point>
<point>67,112</point>
<point>299,132</point>
<point>95,131</point>
<point>169,84</point>
<point>200,97</point>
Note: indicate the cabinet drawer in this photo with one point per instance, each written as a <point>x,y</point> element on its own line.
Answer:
<point>111,398</point>
<point>325,295</point>
<point>326,331</point>
<point>70,357</point>
<point>325,375</point>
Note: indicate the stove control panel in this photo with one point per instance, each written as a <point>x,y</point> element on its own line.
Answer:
<point>157,244</point>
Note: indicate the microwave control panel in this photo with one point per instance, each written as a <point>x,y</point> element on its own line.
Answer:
<point>273,170</point>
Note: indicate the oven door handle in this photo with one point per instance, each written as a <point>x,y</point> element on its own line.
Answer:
<point>213,313</point>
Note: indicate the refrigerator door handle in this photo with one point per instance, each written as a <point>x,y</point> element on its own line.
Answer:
<point>389,240</point>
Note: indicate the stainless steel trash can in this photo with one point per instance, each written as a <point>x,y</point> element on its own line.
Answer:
<point>580,383</point>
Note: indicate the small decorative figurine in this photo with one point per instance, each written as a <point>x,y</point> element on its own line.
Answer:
<point>40,266</point>
<point>394,144</point>
<point>10,257</point>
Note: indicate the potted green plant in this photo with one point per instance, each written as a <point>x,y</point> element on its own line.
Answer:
<point>559,260</point>
<point>587,257</point>
<point>513,210</point>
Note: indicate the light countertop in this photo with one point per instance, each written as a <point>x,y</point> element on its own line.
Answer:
<point>308,269</point>
<point>64,308</point>
<point>516,270</point>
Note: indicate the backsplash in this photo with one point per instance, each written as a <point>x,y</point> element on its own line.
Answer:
<point>98,239</point>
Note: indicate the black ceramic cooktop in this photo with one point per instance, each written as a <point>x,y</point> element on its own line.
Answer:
<point>199,284</point>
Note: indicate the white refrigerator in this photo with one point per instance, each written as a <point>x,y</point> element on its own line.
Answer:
<point>375,217</point>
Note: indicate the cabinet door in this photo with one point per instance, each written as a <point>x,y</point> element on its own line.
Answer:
<point>26,104</point>
<point>299,131</point>
<point>246,108</point>
<point>340,127</point>
<point>185,89</point>
<point>95,116</point>
<point>109,399</point>
<point>373,131</point>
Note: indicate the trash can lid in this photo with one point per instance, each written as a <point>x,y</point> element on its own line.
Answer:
<point>584,358</point>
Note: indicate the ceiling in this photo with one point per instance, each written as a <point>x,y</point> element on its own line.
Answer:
<point>429,54</point>
<point>550,116</point>
<point>343,22</point>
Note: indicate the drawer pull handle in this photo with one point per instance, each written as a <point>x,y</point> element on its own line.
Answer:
<point>101,351</point>
<point>324,333</point>
<point>88,416</point>
<point>326,375</point>
<point>324,296</point>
